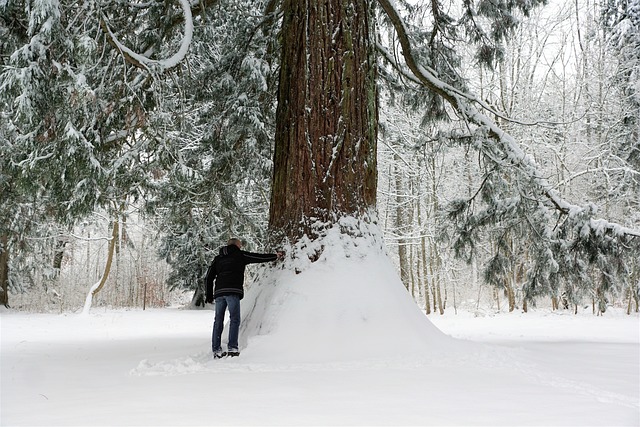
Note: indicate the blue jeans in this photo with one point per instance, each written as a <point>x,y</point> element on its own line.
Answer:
<point>233,303</point>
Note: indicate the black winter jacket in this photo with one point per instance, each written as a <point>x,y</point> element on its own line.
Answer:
<point>227,269</point>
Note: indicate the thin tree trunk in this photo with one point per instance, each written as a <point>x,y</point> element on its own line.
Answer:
<point>327,115</point>
<point>455,281</point>
<point>425,275</point>
<point>412,275</point>
<point>474,275</point>
<point>4,270</point>
<point>59,254</point>
<point>433,278</point>
<point>634,288</point>
<point>510,296</point>
<point>401,222</point>
<point>439,295</point>
<point>107,268</point>
<point>419,278</point>
<point>404,263</point>
<point>387,211</point>
<point>412,248</point>
<point>198,299</point>
<point>435,251</point>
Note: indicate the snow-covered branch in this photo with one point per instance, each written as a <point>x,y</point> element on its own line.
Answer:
<point>143,61</point>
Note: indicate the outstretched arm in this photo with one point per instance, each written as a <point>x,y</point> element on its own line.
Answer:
<point>255,258</point>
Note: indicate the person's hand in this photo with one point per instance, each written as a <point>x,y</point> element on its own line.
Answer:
<point>209,299</point>
<point>281,255</point>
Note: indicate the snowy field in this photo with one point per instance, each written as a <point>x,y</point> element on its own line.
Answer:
<point>153,368</point>
<point>334,342</point>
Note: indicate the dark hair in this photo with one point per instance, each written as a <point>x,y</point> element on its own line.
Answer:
<point>234,241</point>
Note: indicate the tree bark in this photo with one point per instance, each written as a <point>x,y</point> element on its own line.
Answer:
<point>4,270</point>
<point>401,224</point>
<point>327,116</point>
<point>424,269</point>
<point>511,296</point>
<point>115,232</point>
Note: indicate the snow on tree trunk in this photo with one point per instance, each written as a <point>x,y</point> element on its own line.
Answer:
<point>326,121</point>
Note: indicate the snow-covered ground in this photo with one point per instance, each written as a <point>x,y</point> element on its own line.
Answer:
<point>321,351</point>
<point>153,368</point>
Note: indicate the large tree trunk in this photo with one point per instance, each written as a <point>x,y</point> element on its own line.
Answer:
<point>326,121</point>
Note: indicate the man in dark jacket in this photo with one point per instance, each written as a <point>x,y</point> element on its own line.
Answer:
<point>227,269</point>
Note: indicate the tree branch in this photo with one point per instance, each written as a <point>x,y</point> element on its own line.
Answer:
<point>146,63</point>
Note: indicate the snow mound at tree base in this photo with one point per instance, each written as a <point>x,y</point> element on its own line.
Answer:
<point>348,305</point>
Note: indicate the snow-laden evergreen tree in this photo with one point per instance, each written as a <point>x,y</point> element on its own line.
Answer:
<point>104,109</point>
<point>217,166</point>
<point>621,22</point>
<point>77,109</point>
<point>28,122</point>
<point>528,217</point>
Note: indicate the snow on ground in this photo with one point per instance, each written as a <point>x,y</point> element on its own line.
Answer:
<point>153,368</point>
<point>340,343</point>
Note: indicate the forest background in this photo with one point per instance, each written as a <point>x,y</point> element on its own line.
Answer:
<point>124,177</point>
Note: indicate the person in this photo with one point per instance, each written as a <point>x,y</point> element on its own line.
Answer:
<point>227,270</point>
